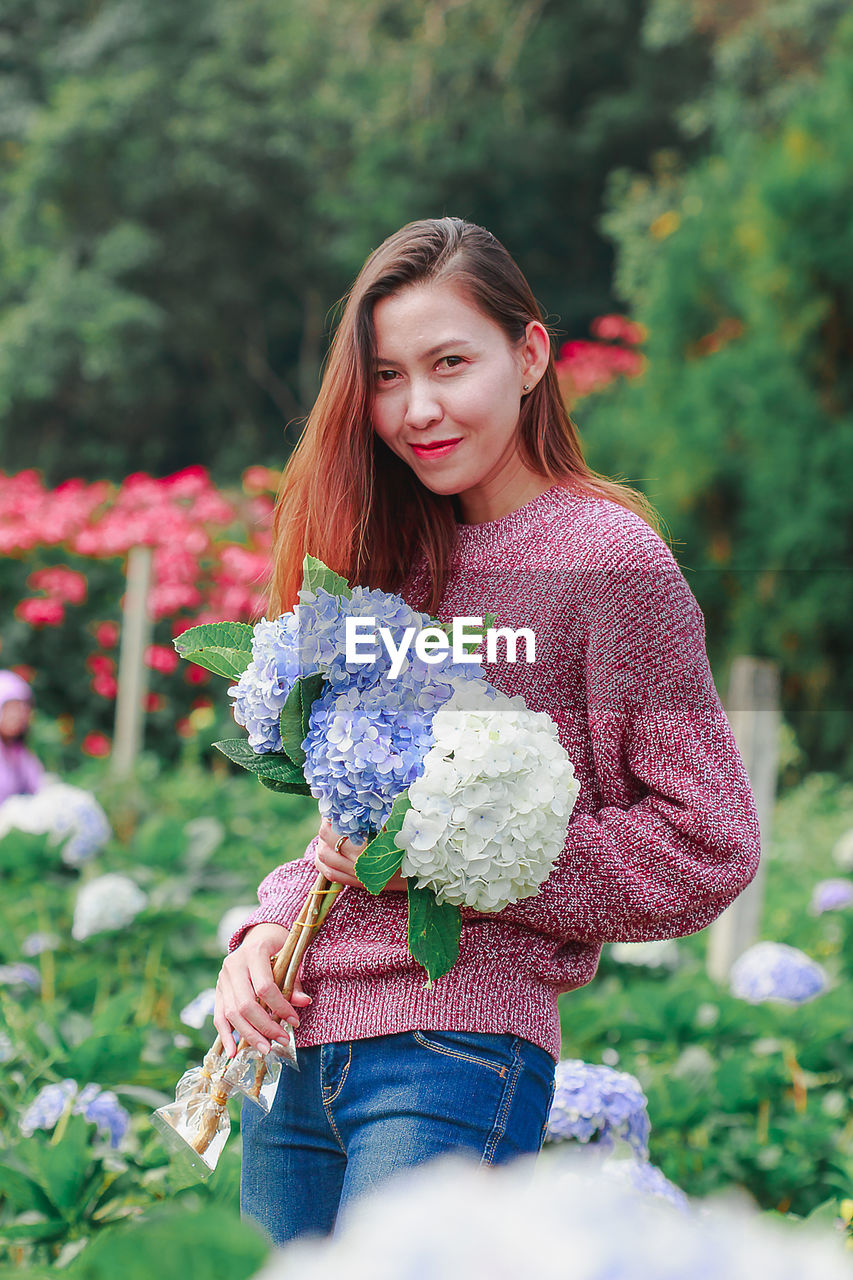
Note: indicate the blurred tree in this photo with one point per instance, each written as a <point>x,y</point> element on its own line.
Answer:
<point>188,189</point>
<point>741,269</point>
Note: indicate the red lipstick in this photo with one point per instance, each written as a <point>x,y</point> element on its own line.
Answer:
<point>438,449</point>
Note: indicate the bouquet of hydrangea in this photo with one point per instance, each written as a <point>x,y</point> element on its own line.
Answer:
<point>463,790</point>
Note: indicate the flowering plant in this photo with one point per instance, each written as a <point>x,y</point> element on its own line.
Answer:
<point>461,788</point>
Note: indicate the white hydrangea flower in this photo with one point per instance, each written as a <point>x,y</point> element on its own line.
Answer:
<point>661,954</point>
<point>490,810</point>
<point>200,1008</point>
<point>108,903</point>
<point>842,851</point>
<point>231,921</point>
<point>68,815</point>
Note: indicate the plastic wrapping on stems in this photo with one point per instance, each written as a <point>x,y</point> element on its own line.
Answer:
<point>196,1125</point>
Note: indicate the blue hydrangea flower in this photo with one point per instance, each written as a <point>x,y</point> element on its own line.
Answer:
<point>366,745</point>
<point>19,975</point>
<point>597,1101</point>
<point>199,1009</point>
<point>312,640</point>
<point>261,692</point>
<point>831,895</point>
<point>47,1106</point>
<point>324,634</point>
<point>99,1106</point>
<point>102,1108</point>
<point>776,972</point>
<point>35,943</point>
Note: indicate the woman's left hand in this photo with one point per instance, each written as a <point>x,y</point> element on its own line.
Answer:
<point>340,867</point>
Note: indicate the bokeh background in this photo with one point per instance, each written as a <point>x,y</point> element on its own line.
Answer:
<point>186,194</point>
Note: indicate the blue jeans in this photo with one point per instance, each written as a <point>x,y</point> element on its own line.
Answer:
<point>359,1110</point>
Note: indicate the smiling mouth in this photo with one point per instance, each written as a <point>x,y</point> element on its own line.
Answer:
<point>435,444</point>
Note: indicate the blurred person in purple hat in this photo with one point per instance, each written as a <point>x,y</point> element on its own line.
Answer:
<point>20,771</point>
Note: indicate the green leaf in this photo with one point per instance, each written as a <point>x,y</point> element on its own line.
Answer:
<point>269,764</point>
<point>290,788</point>
<point>290,726</point>
<point>311,688</point>
<point>434,932</point>
<point>169,1242</point>
<point>222,647</point>
<point>295,714</point>
<point>380,860</point>
<point>315,575</point>
<point>19,1189</point>
<point>62,1169</point>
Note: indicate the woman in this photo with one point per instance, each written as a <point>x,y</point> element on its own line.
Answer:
<point>439,461</point>
<point>21,774</point>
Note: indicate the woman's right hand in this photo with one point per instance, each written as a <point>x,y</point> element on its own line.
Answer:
<point>245,980</point>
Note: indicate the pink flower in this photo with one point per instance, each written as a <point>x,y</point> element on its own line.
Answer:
<point>100,665</point>
<point>104,685</point>
<point>41,613</point>
<point>61,583</point>
<point>617,328</point>
<point>188,482</point>
<point>106,634</point>
<point>95,744</point>
<point>260,480</point>
<point>159,657</point>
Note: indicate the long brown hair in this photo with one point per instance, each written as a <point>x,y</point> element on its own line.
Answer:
<point>347,498</point>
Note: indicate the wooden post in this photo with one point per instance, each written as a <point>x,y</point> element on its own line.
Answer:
<point>132,672</point>
<point>752,708</point>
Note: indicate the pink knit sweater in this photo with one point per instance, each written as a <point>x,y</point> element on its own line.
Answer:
<point>664,834</point>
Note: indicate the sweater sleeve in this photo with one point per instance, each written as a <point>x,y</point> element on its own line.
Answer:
<point>676,836</point>
<point>281,894</point>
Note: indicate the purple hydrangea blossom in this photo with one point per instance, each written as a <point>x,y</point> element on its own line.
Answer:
<point>776,972</point>
<point>597,1101</point>
<point>831,895</point>
<point>19,975</point>
<point>99,1106</point>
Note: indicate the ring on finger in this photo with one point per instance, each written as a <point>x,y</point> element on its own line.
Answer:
<point>339,843</point>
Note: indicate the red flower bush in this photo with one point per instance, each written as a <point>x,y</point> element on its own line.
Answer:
<point>210,559</point>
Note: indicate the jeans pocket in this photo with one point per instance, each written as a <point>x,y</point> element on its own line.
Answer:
<point>479,1048</point>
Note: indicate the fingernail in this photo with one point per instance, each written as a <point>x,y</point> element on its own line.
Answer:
<point>293,1020</point>
<point>264,1047</point>
<point>309,999</point>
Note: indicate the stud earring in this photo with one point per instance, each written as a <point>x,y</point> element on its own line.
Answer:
<point>527,386</point>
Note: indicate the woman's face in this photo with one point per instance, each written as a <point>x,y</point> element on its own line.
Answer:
<point>447,396</point>
<point>14,718</point>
